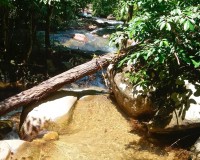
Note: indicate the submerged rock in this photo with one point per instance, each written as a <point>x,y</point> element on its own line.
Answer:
<point>84,40</point>
<point>52,114</point>
<point>6,126</point>
<point>97,131</point>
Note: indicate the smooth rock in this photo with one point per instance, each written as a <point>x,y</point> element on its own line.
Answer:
<point>5,127</point>
<point>183,117</point>
<point>92,27</point>
<point>80,37</point>
<point>98,131</point>
<point>51,114</point>
<point>51,136</point>
<point>111,17</point>
<point>133,100</point>
<point>4,150</point>
<point>8,147</point>
<point>196,149</point>
<point>106,36</point>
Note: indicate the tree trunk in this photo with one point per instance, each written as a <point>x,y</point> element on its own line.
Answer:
<point>47,33</point>
<point>51,85</point>
<point>130,12</point>
<point>5,47</point>
<point>47,87</point>
<point>5,30</point>
<point>47,28</point>
<point>31,30</point>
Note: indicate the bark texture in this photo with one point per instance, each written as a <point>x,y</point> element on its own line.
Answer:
<point>51,85</point>
<point>47,87</point>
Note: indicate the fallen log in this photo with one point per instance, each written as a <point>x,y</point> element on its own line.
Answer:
<point>51,85</point>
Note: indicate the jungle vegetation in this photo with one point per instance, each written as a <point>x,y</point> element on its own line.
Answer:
<point>168,32</point>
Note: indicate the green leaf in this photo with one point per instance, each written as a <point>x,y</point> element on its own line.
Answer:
<point>176,18</point>
<point>179,11</point>
<point>161,58</point>
<point>156,59</point>
<point>196,64</point>
<point>122,61</point>
<point>168,27</point>
<point>161,44</point>
<point>162,25</point>
<point>187,25</point>
<point>192,21</point>
<point>182,20</point>
<point>166,43</point>
<point>191,27</point>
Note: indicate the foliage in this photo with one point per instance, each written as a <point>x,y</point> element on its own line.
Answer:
<point>19,23</point>
<point>119,39</point>
<point>123,9</point>
<point>169,33</point>
<point>104,7</point>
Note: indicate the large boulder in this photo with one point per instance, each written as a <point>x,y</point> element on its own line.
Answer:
<point>52,114</point>
<point>98,131</point>
<point>183,116</point>
<point>9,147</point>
<point>196,149</point>
<point>133,100</point>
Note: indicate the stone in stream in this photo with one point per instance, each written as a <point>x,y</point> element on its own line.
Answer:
<point>184,117</point>
<point>111,17</point>
<point>136,102</point>
<point>52,114</point>
<point>92,27</point>
<point>5,127</point>
<point>97,131</point>
<point>9,147</point>
<point>80,37</point>
<point>196,149</point>
<point>133,100</point>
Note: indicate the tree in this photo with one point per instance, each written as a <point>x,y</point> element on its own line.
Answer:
<point>19,23</point>
<point>51,85</point>
<point>29,8</point>
<point>168,32</point>
<point>125,10</point>
<point>104,7</point>
<point>5,6</point>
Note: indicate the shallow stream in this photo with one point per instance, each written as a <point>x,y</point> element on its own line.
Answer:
<point>95,44</point>
<point>99,129</point>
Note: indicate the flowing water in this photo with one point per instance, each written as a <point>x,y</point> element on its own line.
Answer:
<point>98,130</point>
<point>95,44</point>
